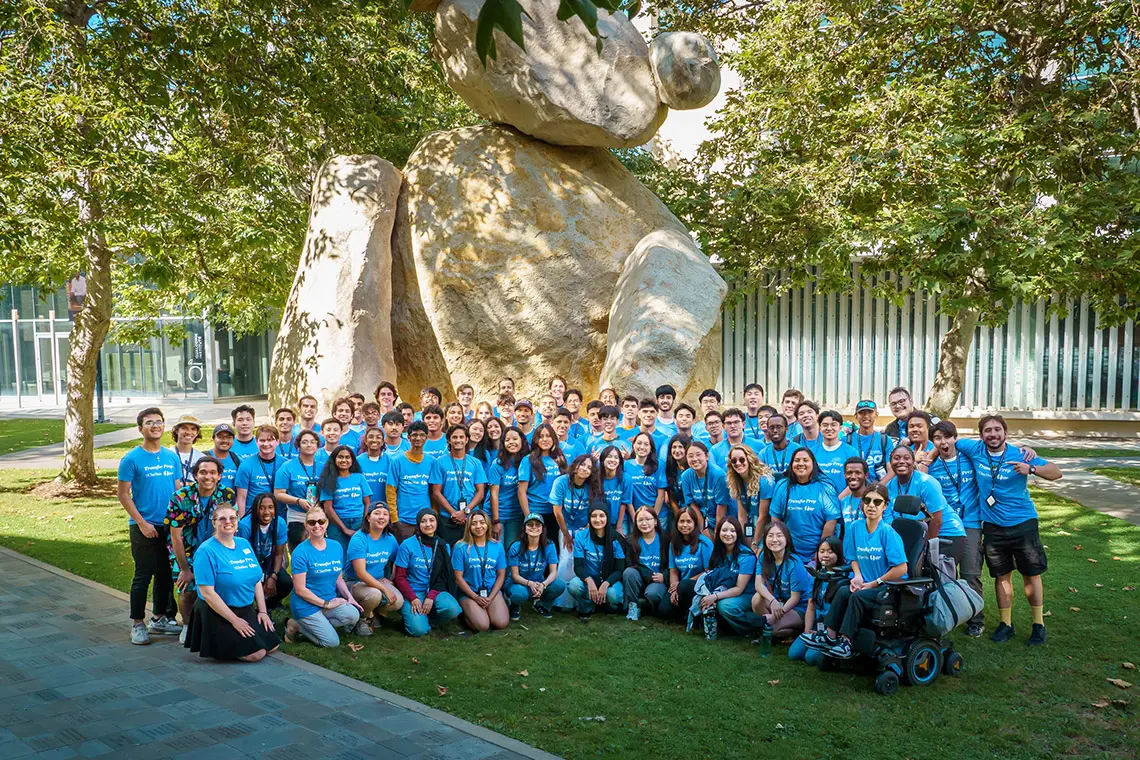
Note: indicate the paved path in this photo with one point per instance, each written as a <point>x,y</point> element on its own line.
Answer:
<point>49,457</point>
<point>1098,492</point>
<point>71,685</point>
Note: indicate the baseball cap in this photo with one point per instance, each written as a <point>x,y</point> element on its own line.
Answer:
<point>866,404</point>
<point>532,517</point>
<point>526,403</point>
<point>223,428</point>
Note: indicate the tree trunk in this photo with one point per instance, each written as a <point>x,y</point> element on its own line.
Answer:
<point>953,353</point>
<point>87,335</point>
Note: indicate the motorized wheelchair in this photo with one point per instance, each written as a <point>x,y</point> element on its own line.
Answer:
<point>894,643</point>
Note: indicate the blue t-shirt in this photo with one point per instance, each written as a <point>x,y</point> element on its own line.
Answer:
<point>538,491</point>
<point>705,493</point>
<point>153,478</point>
<point>436,449</point>
<point>814,444</point>
<point>960,487</point>
<point>416,558</point>
<point>627,434</point>
<point>458,478</point>
<point>875,450</point>
<point>244,450</point>
<point>851,508</point>
<point>805,509</point>
<point>574,501</point>
<point>789,577</point>
<point>230,464</point>
<point>375,472</point>
<point>316,429</point>
<point>927,489</point>
<point>532,564</point>
<point>876,552</point>
<point>571,449</point>
<point>507,479</point>
<point>261,538</point>
<point>778,461</point>
<point>299,480</point>
<point>351,439</point>
<point>286,451</point>
<point>831,463</point>
<point>321,570</point>
<point>744,563</point>
<point>649,554</point>
<point>690,564</point>
<point>257,476</point>
<point>410,479</point>
<point>718,454</point>
<point>597,445</point>
<point>399,448</point>
<point>479,565</point>
<point>643,488</point>
<point>752,503</point>
<point>234,573</point>
<point>375,552</point>
<point>753,427</point>
<point>348,499</point>
<point>997,478</point>
<point>616,492</point>
<point>592,553</point>
<point>668,427</point>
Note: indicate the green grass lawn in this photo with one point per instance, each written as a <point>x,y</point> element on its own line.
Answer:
<point>1052,452</point>
<point>19,434</point>
<point>119,450</point>
<point>667,694</point>
<point>1129,475</point>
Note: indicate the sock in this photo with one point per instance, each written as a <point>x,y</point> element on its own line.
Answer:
<point>1038,615</point>
<point>1006,615</point>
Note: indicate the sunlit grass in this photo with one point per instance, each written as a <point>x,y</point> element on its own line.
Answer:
<point>19,434</point>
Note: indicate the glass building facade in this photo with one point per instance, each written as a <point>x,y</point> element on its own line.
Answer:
<point>208,363</point>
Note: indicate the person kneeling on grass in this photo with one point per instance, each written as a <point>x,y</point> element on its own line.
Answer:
<point>533,565</point>
<point>425,577</point>
<point>371,555</point>
<point>828,555</point>
<point>599,559</point>
<point>782,585</point>
<point>230,620</point>
<point>480,566</point>
<point>321,601</point>
<point>877,556</point>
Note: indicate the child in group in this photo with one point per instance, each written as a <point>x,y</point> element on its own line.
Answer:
<point>828,556</point>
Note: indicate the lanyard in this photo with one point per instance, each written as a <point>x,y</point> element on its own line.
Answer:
<point>753,425</point>
<point>459,481</point>
<point>268,477</point>
<point>482,566</point>
<point>958,482</point>
<point>705,491</point>
<point>864,455</point>
<point>312,474</point>
<point>534,559</point>
<point>579,497</point>
<point>187,467</point>
<point>995,469</point>
<point>287,450</point>
<point>781,465</point>
<point>905,491</point>
<point>424,554</point>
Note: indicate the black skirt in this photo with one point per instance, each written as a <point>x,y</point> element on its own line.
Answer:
<point>211,635</point>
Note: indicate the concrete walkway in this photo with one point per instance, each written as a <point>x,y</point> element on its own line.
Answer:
<point>71,685</point>
<point>51,456</point>
<point>1098,492</point>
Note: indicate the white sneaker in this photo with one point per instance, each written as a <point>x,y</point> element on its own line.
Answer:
<point>165,626</point>
<point>139,634</point>
<point>182,636</point>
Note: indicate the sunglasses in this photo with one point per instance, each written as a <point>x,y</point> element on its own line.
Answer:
<point>738,460</point>
<point>874,501</point>
<point>230,518</point>
<point>316,522</point>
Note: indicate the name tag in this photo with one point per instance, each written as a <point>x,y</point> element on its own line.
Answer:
<point>483,593</point>
<point>991,501</point>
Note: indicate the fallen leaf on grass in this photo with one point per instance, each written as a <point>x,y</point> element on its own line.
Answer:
<point>415,660</point>
<point>596,718</point>
<point>1077,547</point>
<point>441,689</point>
<point>1072,590</point>
<point>1129,588</point>
<point>490,655</point>
<point>1101,703</point>
<point>524,672</point>
<point>1128,666</point>
<point>1074,609</point>
<point>1098,585</point>
<point>1120,702</point>
<point>1063,533</point>
<point>542,688</point>
<point>1117,559</point>
<point>774,683</point>
<point>780,726</point>
<point>525,686</point>
<point>1047,613</point>
<point>1092,561</point>
<point>354,646</point>
<point>1119,683</point>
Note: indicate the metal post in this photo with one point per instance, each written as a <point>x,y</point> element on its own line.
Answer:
<point>55,380</point>
<point>100,417</point>
<point>16,356</point>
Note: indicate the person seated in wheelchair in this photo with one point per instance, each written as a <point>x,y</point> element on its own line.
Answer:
<point>877,557</point>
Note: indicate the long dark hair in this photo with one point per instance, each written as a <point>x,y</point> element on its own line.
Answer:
<point>720,553</point>
<point>672,469</point>
<point>507,460</point>
<point>486,450</point>
<point>537,467</point>
<point>833,586</point>
<point>619,474</point>
<point>650,466</point>
<point>633,541</point>
<point>524,543</point>
<point>815,472</point>
<point>329,473</point>
<point>255,531</point>
<point>609,536</point>
<point>678,541</point>
<point>767,558</point>
<point>593,483</point>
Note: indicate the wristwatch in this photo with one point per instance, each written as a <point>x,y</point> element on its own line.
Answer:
<point>1032,470</point>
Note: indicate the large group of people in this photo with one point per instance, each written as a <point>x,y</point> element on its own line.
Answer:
<point>384,513</point>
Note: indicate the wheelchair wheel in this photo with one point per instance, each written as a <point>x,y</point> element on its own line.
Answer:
<point>887,683</point>
<point>923,663</point>
<point>954,664</point>
<point>827,664</point>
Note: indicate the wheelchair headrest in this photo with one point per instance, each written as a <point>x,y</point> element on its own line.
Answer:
<point>913,535</point>
<point>907,505</point>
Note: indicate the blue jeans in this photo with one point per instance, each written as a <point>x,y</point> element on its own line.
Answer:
<point>444,608</point>
<point>737,612</point>
<point>801,651</point>
<point>518,594</point>
<point>320,627</point>
<point>656,594</point>
<point>578,590</point>
<point>336,534</point>
<point>512,530</point>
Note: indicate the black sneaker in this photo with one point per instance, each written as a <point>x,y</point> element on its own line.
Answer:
<point>543,611</point>
<point>974,630</point>
<point>584,617</point>
<point>841,651</point>
<point>1002,633</point>
<point>1037,637</point>
<point>819,640</point>
<point>516,612</point>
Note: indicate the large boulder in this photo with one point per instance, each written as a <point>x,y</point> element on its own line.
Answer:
<point>686,68</point>
<point>517,248</point>
<point>560,89</point>
<point>665,319</point>
<point>335,334</point>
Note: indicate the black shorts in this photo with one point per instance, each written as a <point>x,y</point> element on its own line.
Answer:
<point>1015,546</point>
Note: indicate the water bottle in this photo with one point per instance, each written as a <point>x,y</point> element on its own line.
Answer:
<point>710,626</point>
<point>766,641</point>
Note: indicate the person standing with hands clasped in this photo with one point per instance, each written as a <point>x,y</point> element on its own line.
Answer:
<point>458,484</point>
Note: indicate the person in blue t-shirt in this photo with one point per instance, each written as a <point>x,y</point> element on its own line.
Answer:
<point>778,453</point>
<point>918,426</point>
<point>828,556</point>
<point>230,620</point>
<point>750,486</point>
<point>425,577</point>
<point>371,555</point>
<point>646,471</point>
<point>676,460</point>
<point>646,573</point>
<point>877,557</point>
<point>407,487</point>
<point>480,567</point>
<point>783,584</point>
<point>833,452</point>
<point>245,443</point>
<point>807,416</point>
<point>689,553</point>
<point>599,560</point>
<point>533,564</point>
<point>733,434</point>
<point>562,424</point>
<point>458,484</point>
<point>321,602</point>
<point>436,444</point>
<point>537,473</point>
<point>955,473</point>
<point>874,448</point>
<point>373,461</point>
<point>342,410</point>
<point>617,488</point>
<point>284,419</point>
<point>608,418</point>
<point>855,474</point>
<point>503,479</point>
<point>1009,520</point>
<point>258,473</point>
<point>572,496</point>
<point>807,503</point>
<point>705,486</point>
<point>267,534</point>
<point>730,579</point>
<point>148,477</point>
<point>297,485</point>
<point>345,495</point>
<point>908,481</point>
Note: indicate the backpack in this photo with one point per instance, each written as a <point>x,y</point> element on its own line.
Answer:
<point>952,602</point>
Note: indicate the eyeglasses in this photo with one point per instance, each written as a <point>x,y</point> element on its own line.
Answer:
<point>154,423</point>
<point>738,460</point>
<point>874,501</point>
<point>316,522</point>
<point>228,518</point>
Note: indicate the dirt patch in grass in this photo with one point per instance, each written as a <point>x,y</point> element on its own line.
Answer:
<point>57,489</point>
